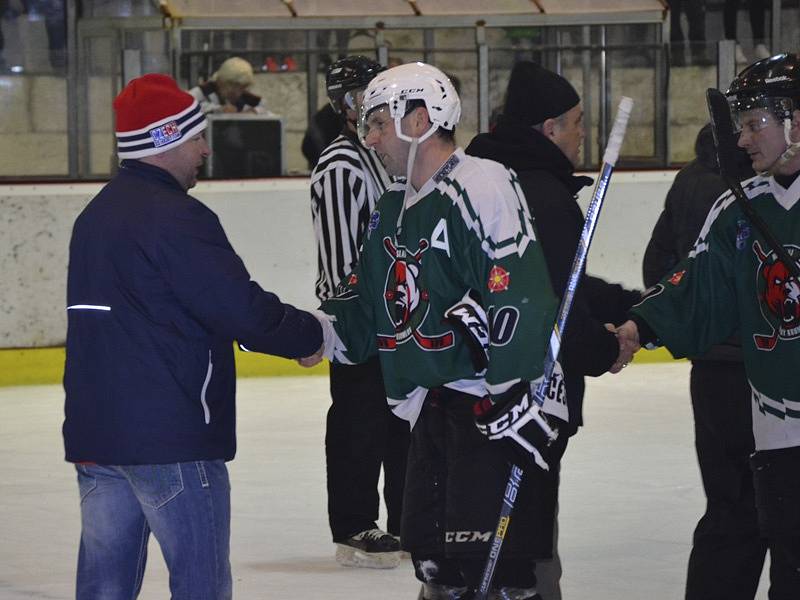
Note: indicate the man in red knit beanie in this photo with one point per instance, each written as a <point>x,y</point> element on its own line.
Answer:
<point>156,297</point>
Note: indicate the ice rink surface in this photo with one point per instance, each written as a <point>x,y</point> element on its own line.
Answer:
<point>630,496</point>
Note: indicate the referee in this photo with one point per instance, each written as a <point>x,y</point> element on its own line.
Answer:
<point>362,433</point>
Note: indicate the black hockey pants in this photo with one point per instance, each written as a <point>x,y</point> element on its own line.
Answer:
<point>728,552</point>
<point>454,488</point>
<point>776,476</point>
<point>362,433</point>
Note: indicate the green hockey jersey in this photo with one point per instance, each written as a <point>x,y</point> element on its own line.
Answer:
<point>732,281</point>
<point>468,228</point>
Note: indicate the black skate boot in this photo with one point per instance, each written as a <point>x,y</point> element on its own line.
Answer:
<point>372,548</point>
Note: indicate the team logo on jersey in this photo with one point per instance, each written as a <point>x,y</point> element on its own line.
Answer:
<point>742,234</point>
<point>353,279</point>
<point>407,301</point>
<point>374,219</point>
<point>499,279</point>
<point>779,296</point>
<point>676,277</point>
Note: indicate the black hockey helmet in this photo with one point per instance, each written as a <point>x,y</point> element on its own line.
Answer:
<point>349,74</point>
<point>772,84</point>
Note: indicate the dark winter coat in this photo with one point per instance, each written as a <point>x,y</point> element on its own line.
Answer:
<point>325,126</point>
<point>693,192</point>
<point>547,178</point>
<point>155,298</point>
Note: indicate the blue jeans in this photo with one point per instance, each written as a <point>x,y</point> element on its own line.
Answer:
<point>185,505</point>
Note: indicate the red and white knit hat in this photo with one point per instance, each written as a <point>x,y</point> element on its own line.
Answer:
<point>154,115</point>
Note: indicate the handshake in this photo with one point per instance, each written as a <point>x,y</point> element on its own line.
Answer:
<point>314,359</point>
<point>628,338</point>
<point>521,423</point>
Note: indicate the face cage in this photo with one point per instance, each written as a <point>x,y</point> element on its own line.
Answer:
<point>780,107</point>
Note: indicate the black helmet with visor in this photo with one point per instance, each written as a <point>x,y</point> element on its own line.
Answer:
<point>771,84</point>
<point>347,77</point>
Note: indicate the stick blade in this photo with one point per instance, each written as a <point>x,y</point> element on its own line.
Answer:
<point>724,139</point>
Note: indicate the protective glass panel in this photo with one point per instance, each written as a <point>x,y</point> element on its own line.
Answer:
<point>281,61</point>
<point>692,70</point>
<point>33,87</point>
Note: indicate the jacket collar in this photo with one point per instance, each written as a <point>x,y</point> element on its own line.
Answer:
<point>523,148</point>
<point>151,172</point>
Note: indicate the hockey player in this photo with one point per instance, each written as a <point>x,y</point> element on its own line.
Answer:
<point>449,248</point>
<point>362,433</point>
<point>728,551</point>
<point>733,280</point>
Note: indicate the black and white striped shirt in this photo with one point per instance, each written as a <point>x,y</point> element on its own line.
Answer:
<point>345,186</point>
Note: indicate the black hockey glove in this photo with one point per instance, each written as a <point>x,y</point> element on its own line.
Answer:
<point>517,420</point>
<point>468,316</point>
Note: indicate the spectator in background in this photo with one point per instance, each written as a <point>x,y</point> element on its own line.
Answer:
<point>3,9</point>
<point>727,552</point>
<point>730,15</point>
<point>342,39</point>
<point>55,22</point>
<point>228,89</point>
<point>695,11</point>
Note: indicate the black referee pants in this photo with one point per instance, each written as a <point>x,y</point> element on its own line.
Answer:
<point>728,552</point>
<point>362,434</point>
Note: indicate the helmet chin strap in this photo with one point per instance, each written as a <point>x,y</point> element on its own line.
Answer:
<point>412,155</point>
<point>792,148</point>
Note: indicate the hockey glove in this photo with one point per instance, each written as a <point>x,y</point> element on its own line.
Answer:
<point>517,420</point>
<point>469,318</point>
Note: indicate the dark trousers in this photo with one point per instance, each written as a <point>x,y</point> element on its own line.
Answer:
<point>758,10</point>
<point>728,552</point>
<point>695,15</point>
<point>776,477</point>
<point>362,434</point>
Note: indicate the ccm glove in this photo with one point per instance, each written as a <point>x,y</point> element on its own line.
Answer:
<point>516,419</point>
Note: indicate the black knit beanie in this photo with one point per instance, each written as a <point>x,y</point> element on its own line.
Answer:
<point>535,94</point>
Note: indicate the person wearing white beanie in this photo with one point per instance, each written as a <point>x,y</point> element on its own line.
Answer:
<point>228,90</point>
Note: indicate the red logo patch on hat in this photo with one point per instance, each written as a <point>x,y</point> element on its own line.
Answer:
<point>499,279</point>
<point>676,277</point>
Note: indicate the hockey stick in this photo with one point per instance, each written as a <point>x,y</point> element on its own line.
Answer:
<point>540,391</point>
<point>725,142</point>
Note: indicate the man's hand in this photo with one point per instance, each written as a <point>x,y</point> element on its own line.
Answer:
<point>628,338</point>
<point>314,359</point>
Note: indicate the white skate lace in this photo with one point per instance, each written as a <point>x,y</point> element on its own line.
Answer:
<point>373,534</point>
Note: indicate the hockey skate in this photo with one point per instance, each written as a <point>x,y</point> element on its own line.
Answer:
<point>372,548</point>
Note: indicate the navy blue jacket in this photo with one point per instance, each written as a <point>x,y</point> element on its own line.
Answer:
<point>155,298</point>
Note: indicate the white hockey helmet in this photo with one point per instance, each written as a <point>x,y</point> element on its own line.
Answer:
<point>397,86</point>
